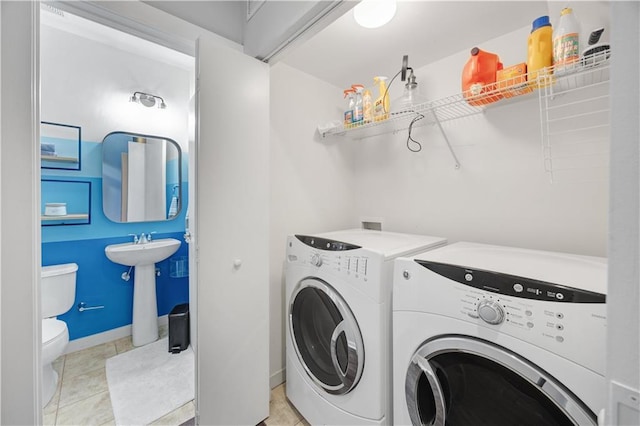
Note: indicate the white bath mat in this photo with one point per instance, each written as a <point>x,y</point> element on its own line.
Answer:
<point>149,382</point>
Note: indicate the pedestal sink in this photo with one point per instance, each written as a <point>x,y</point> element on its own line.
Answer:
<point>143,256</point>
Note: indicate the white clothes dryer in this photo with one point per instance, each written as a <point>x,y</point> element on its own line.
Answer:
<point>338,342</point>
<point>488,335</point>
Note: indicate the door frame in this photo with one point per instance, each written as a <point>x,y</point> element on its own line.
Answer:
<point>21,340</point>
<point>120,22</point>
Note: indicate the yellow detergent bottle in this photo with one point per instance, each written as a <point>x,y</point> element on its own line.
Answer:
<point>540,53</point>
<point>381,106</point>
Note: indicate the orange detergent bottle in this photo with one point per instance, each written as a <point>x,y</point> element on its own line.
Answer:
<point>479,76</point>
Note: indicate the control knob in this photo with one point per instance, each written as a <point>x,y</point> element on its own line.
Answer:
<point>491,312</point>
<point>316,260</point>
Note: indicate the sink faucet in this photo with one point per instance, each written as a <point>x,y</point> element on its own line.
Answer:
<point>143,238</point>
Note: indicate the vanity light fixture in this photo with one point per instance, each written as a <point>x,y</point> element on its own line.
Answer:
<point>374,13</point>
<point>147,100</point>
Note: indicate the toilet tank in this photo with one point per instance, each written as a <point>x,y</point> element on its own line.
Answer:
<point>57,289</point>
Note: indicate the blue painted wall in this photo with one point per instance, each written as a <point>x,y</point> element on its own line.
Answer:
<point>99,280</point>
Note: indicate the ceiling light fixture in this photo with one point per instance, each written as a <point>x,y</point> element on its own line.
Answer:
<point>374,13</point>
<point>147,100</point>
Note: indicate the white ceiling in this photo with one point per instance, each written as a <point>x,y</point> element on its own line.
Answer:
<point>345,53</point>
<point>223,17</point>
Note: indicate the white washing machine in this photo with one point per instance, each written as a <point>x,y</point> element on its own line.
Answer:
<point>338,301</point>
<point>488,335</point>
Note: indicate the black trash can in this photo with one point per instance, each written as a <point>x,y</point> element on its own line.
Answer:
<point>179,328</point>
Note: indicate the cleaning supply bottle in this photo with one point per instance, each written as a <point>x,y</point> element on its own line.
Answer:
<point>566,42</point>
<point>358,107</point>
<point>348,112</point>
<point>479,76</point>
<point>539,52</point>
<point>382,105</point>
<point>367,107</point>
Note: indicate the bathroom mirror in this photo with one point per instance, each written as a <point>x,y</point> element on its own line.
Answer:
<point>141,177</point>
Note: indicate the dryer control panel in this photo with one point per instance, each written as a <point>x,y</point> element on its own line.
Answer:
<point>511,285</point>
<point>565,320</point>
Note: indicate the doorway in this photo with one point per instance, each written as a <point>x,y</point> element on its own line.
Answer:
<point>91,69</point>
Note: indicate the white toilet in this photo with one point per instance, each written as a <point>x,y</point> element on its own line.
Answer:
<point>58,293</point>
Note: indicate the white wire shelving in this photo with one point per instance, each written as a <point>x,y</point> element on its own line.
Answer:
<point>575,118</point>
<point>568,97</point>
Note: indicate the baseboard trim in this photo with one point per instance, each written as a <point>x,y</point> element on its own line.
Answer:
<point>277,378</point>
<point>106,336</point>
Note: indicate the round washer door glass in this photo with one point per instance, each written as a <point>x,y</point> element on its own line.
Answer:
<point>463,381</point>
<point>326,336</point>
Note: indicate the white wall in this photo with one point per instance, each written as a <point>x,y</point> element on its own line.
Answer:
<point>311,180</point>
<point>501,194</point>
<point>88,83</point>
<point>623,344</point>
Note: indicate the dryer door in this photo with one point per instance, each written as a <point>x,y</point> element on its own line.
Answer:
<point>464,381</point>
<point>326,336</point>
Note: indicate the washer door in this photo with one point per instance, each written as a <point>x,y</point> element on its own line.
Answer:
<point>464,381</point>
<point>326,336</point>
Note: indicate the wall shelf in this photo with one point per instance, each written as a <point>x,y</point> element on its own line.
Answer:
<point>78,216</point>
<point>59,159</point>
<point>445,109</point>
<point>568,98</point>
<point>60,146</point>
<point>75,194</point>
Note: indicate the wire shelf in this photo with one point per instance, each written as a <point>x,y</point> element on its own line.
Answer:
<point>441,110</point>
<point>574,111</point>
<point>575,118</point>
<point>445,109</point>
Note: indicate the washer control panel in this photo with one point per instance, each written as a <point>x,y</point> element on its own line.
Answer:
<point>354,265</point>
<point>325,244</point>
<point>339,262</point>
<point>337,256</point>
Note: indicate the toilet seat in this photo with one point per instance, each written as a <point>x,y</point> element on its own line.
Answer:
<point>51,329</point>
<point>55,337</point>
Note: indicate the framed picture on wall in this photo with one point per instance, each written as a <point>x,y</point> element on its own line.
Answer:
<point>59,146</point>
<point>65,202</point>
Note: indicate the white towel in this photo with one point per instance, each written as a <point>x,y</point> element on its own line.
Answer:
<point>173,208</point>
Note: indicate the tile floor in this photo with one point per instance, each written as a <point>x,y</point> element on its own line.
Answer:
<point>82,397</point>
<point>281,412</point>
